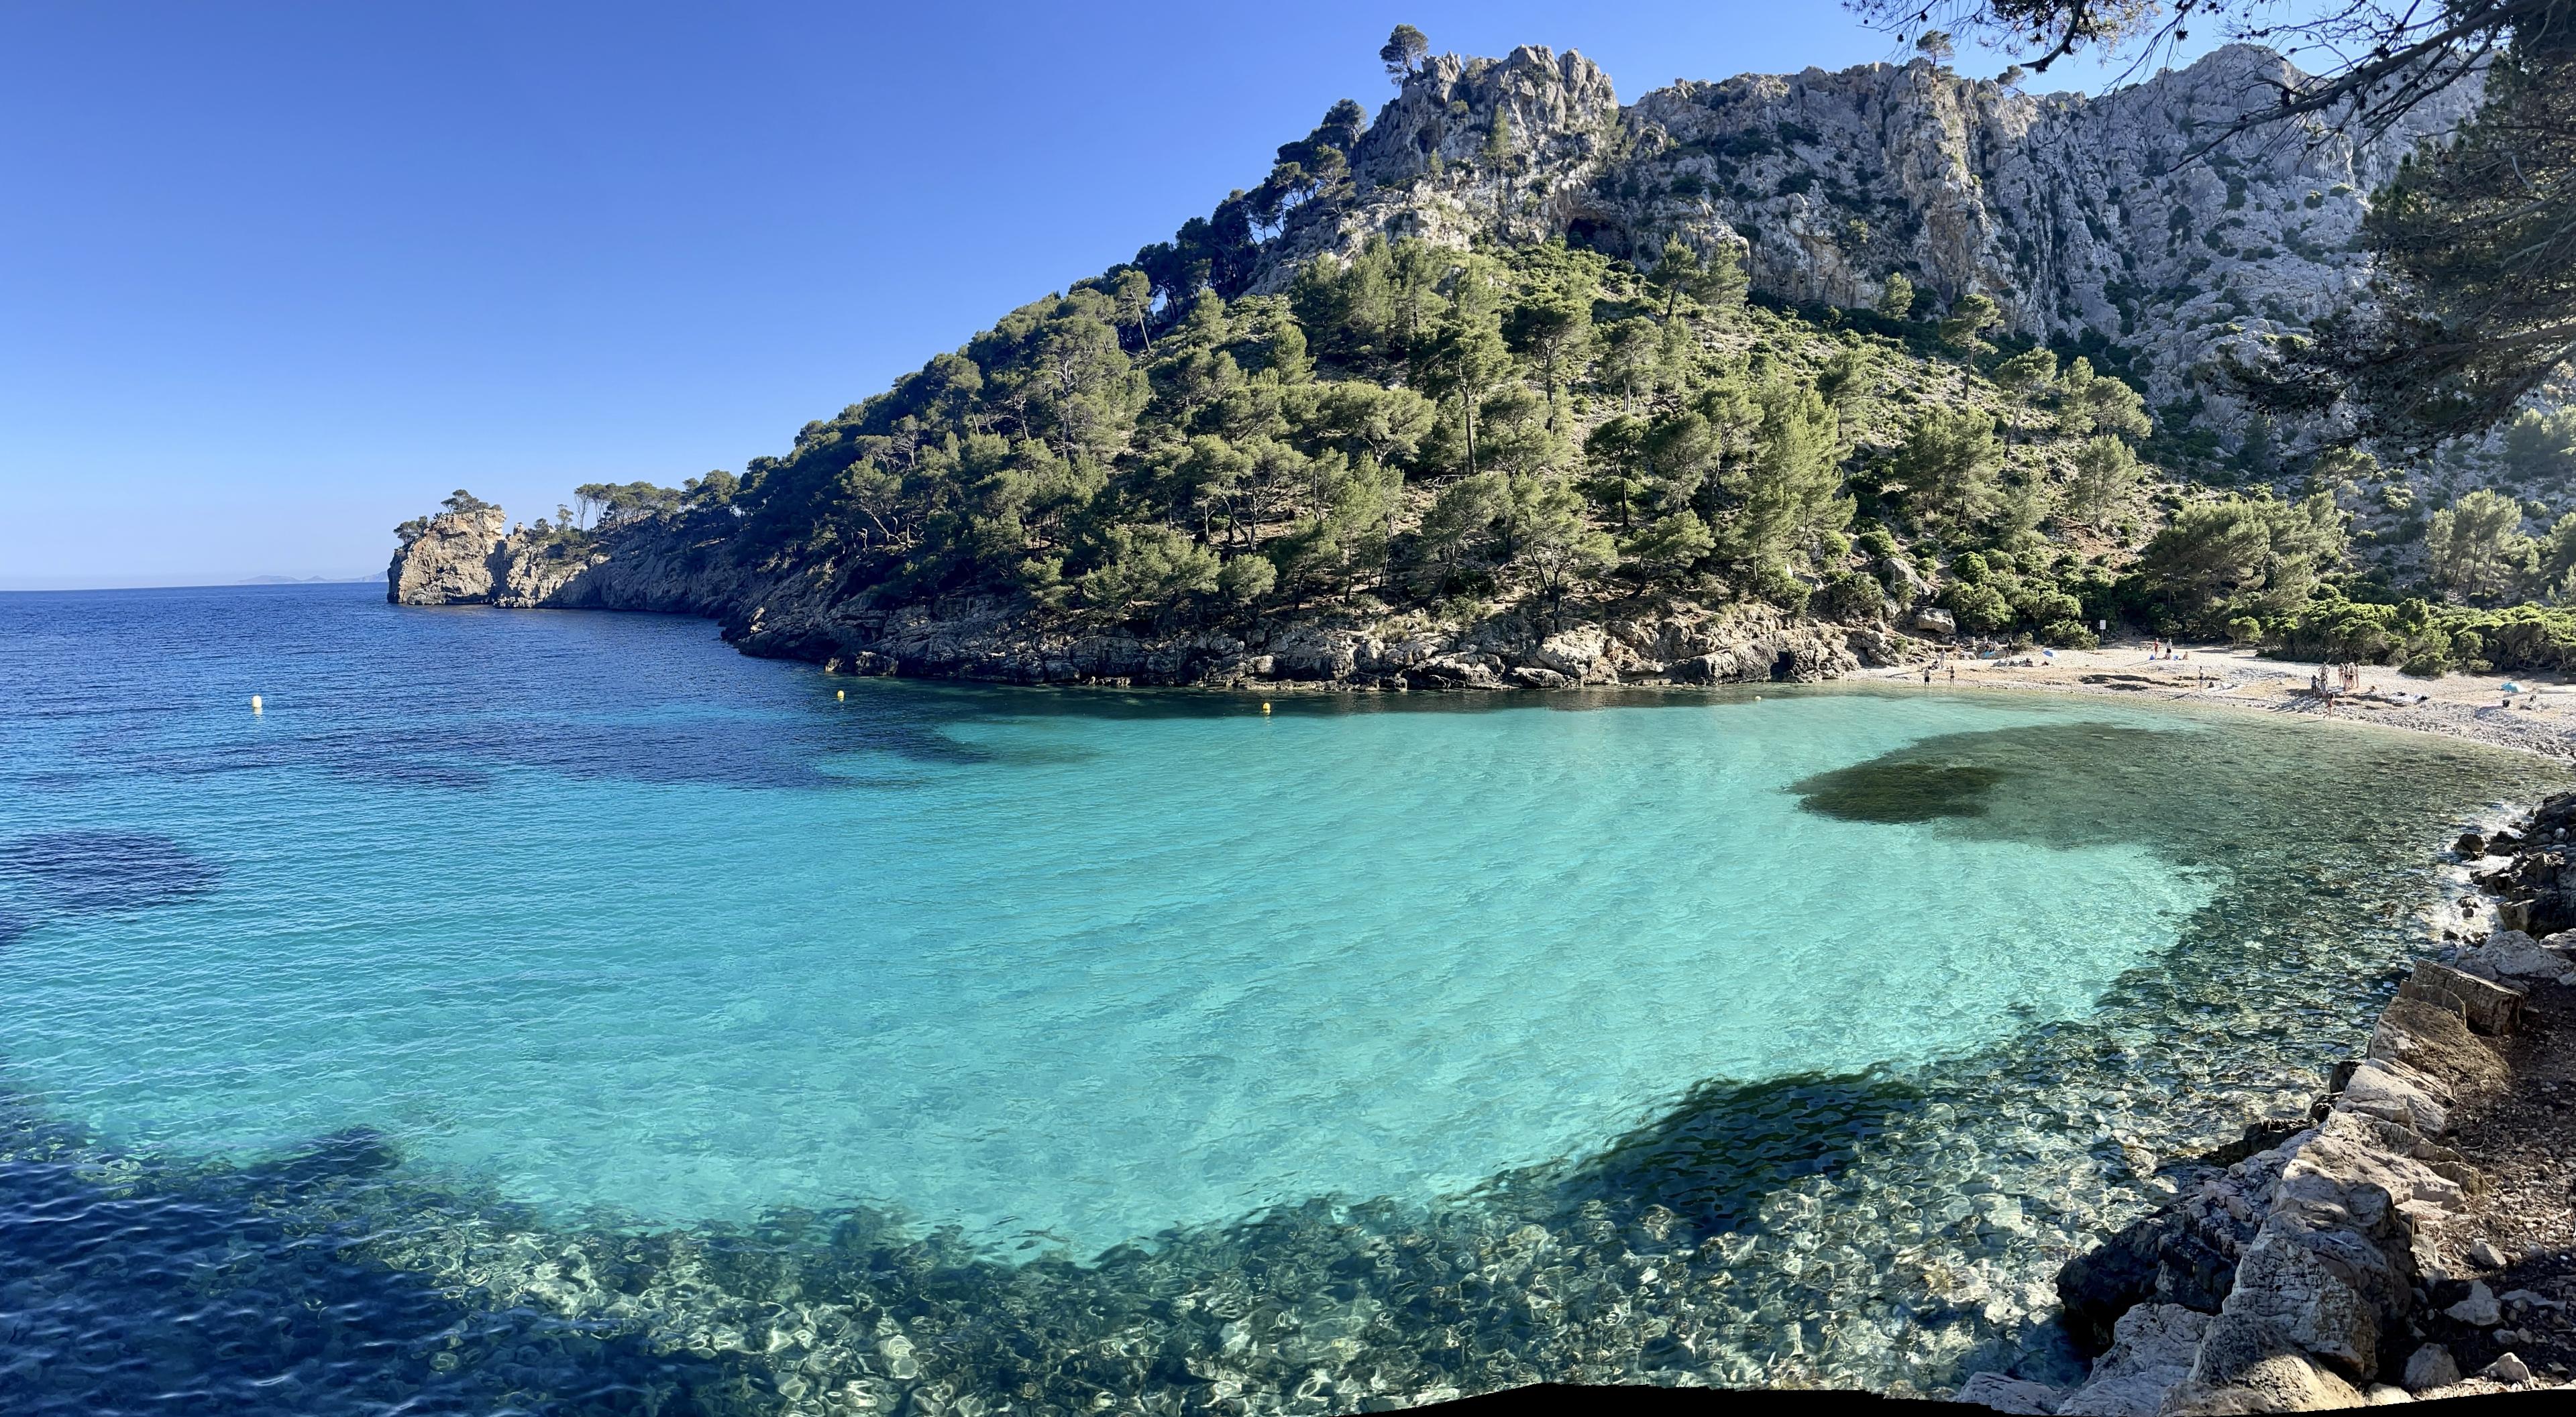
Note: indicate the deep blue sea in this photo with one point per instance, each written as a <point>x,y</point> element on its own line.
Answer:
<point>541,1011</point>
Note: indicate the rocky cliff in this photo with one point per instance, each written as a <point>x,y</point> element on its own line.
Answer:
<point>468,558</point>
<point>2083,217</point>
<point>453,559</point>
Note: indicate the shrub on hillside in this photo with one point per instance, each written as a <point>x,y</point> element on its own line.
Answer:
<point>1852,598</point>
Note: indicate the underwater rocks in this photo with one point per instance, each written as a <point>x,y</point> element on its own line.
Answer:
<point>101,872</point>
<point>1900,791</point>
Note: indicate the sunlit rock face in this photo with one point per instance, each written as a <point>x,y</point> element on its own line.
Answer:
<point>2122,216</point>
<point>453,561</point>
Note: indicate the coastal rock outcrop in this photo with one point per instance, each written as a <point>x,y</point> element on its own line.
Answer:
<point>475,558</point>
<point>455,558</point>
<point>1559,124</point>
<point>2324,1267</point>
<point>2183,1255</point>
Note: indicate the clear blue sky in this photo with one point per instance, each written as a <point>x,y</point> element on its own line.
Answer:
<point>275,276</point>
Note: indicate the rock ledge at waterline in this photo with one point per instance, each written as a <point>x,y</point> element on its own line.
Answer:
<point>2342,1264</point>
<point>797,611</point>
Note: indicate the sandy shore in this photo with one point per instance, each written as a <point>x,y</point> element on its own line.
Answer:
<point>2461,705</point>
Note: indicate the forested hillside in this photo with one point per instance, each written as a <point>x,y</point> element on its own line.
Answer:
<point>1332,404</point>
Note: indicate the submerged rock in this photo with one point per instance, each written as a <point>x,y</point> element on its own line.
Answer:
<point>101,872</point>
<point>1899,791</point>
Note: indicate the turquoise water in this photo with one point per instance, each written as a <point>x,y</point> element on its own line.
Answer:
<point>581,926</point>
<point>1091,978</point>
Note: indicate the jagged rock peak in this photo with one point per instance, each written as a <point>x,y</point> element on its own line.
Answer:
<point>1556,107</point>
<point>2080,215</point>
<point>1426,166</point>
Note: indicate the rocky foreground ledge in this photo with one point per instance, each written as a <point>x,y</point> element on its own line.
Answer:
<point>2415,1240</point>
<point>794,610</point>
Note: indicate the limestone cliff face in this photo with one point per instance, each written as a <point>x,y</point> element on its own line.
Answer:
<point>1428,154</point>
<point>2078,215</point>
<point>451,562</point>
<point>667,565</point>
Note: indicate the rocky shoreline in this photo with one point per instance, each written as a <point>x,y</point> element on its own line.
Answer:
<point>2412,1241</point>
<point>796,612</point>
<point>793,610</point>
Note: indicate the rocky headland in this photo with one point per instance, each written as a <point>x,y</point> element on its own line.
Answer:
<point>1512,385</point>
<point>791,610</point>
<point>2414,1239</point>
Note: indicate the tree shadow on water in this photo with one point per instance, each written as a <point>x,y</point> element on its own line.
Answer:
<point>1714,1157</point>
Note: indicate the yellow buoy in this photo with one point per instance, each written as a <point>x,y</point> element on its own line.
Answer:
<point>254,704</point>
<point>1265,706</point>
<point>842,694</point>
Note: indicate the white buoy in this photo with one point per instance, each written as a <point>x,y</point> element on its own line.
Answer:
<point>254,704</point>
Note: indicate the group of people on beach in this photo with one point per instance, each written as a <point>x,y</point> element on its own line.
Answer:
<point>2347,680</point>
